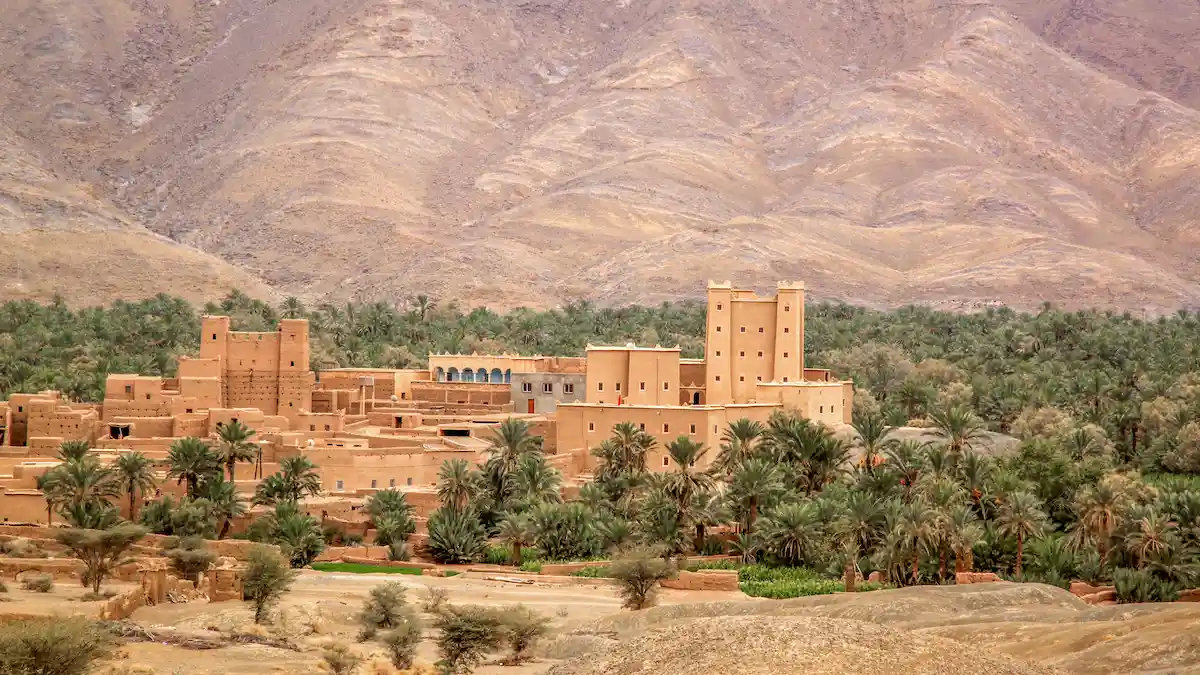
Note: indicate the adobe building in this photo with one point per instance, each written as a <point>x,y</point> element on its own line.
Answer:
<point>753,366</point>
<point>540,393</point>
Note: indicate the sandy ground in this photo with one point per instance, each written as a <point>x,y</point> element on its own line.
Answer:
<point>329,602</point>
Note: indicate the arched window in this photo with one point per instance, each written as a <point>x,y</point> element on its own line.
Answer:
<point>481,375</point>
<point>441,374</point>
<point>468,375</point>
<point>497,376</point>
<point>452,374</point>
<point>696,398</point>
<point>508,376</point>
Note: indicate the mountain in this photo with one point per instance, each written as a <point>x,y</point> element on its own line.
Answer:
<point>527,152</point>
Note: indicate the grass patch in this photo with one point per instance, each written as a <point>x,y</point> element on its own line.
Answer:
<point>532,566</point>
<point>716,565</point>
<point>452,573</point>
<point>358,568</point>
<point>761,581</point>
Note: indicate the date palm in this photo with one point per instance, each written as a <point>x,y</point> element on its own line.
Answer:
<point>755,483</point>
<point>190,460</point>
<point>81,483</point>
<point>1101,511</point>
<point>136,474</point>
<point>1152,535</point>
<point>963,533</point>
<point>791,532</point>
<point>873,436</point>
<point>234,445</point>
<point>916,529</point>
<point>535,481</point>
<point>224,503</point>
<point>739,442</point>
<point>684,481</point>
<point>73,451</point>
<point>959,427</point>
<point>456,485</point>
<point>1021,517</point>
<point>517,532</point>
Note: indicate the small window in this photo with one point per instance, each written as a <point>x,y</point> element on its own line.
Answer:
<point>20,408</point>
<point>392,483</point>
<point>822,409</point>
<point>692,429</point>
<point>666,461</point>
<point>599,386</point>
<point>718,352</point>
<point>742,354</point>
<point>742,329</point>
<point>290,404</point>
<point>312,427</point>
<point>785,378</point>
<point>618,386</point>
<point>741,378</point>
<point>642,386</point>
<point>718,378</point>
<point>340,485</point>
<point>786,329</point>
<point>832,409</point>
<point>714,428</point>
<point>568,388</point>
<point>293,363</point>
<point>787,308</point>
<point>785,355</point>
<point>129,389</point>
<point>760,329</point>
<point>147,397</point>
<point>547,387</point>
<point>718,306</point>
<point>409,481</point>
<point>666,386</point>
<point>591,426</point>
<point>760,355</point>
<point>718,329</point>
<point>188,410</point>
<point>642,427</point>
<point>326,427</point>
<point>526,387</point>
<point>759,378</point>
<point>373,484</point>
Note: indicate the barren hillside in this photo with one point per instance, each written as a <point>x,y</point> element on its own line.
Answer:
<point>530,151</point>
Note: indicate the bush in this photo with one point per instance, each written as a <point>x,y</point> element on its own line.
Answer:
<point>191,558</point>
<point>100,550</point>
<point>339,660</point>
<point>384,608</point>
<point>466,634</point>
<point>401,642</point>
<point>21,548</point>
<point>435,599</point>
<point>592,572</point>
<point>456,536</point>
<point>52,646</point>
<point>97,597</point>
<point>38,583</point>
<point>532,566</point>
<point>1142,586</point>
<point>565,531</point>
<point>266,579</point>
<point>638,576</point>
<point>3,586</point>
<point>522,628</point>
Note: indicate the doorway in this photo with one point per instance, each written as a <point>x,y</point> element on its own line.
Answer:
<point>530,401</point>
<point>696,398</point>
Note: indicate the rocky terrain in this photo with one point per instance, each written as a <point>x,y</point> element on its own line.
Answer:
<point>516,152</point>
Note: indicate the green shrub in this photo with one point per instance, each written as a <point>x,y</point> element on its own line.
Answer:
<point>38,583</point>
<point>465,635</point>
<point>638,576</point>
<point>716,565</point>
<point>362,568</point>
<point>190,557</point>
<point>385,608</point>
<point>1141,586</point>
<point>565,531</point>
<point>456,536</point>
<point>763,581</point>
<point>532,566</point>
<point>52,646</point>
<point>266,579</point>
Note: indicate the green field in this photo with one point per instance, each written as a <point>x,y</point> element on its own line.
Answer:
<point>357,568</point>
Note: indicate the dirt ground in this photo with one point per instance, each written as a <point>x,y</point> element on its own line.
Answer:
<point>327,602</point>
<point>1030,627</point>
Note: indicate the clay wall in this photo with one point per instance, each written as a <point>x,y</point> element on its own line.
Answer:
<point>537,393</point>
<point>462,393</point>
<point>818,401</point>
<point>49,418</point>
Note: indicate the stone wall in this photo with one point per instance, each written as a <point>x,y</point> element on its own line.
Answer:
<point>122,606</point>
<point>704,580</point>
<point>963,578</point>
<point>60,569</point>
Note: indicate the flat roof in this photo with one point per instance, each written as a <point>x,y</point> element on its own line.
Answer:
<point>629,348</point>
<point>704,407</point>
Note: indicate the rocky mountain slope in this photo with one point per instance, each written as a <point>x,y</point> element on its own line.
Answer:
<point>531,151</point>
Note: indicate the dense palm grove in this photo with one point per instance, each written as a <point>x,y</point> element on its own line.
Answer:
<point>1100,484</point>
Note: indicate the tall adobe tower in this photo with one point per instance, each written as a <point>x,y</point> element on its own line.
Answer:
<point>751,339</point>
<point>267,371</point>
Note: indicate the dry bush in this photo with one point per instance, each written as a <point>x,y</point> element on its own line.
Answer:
<point>337,659</point>
<point>97,597</point>
<point>466,634</point>
<point>522,628</point>
<point>266,579</point>
<point>638,576</point>
<point>435,600</point>
<point>52,646</point>
<point>21,548</point>
<point>125,669</point>
<point>401,642</point>
<point>38,583</point>
<point>3,586</point>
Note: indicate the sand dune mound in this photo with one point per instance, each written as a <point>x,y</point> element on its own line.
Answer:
<point>779,646</point>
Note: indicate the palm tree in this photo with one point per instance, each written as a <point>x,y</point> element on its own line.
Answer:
<point>1152,535</point>
<point>190,460</point>
<point>234,445</point>
<point>959,426</point>
<point>73,451</point>
<point>393,529</point>
<point>516,531</point>
<point>45,483</point>
<point>873,437</point>
<point>916,529</point>
<point>1100,509</point>
<point>630,447</point>
<point>136,473</point>
<point>791,531</point>
<point>974,472</point>
<point>291,308</point>
<point>535,481</point>
<point>861,520</point>
<point>300,478</point>
<point>739,442</point>
<point>223,500</point>
<point>706,510</point>
<point>906,460</point>
<point>755,483</point>
<point>81,483</point>
<point>456,485</point>
<point>1021,516</point>
<point>684,481</point>
<point>963,532</point>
